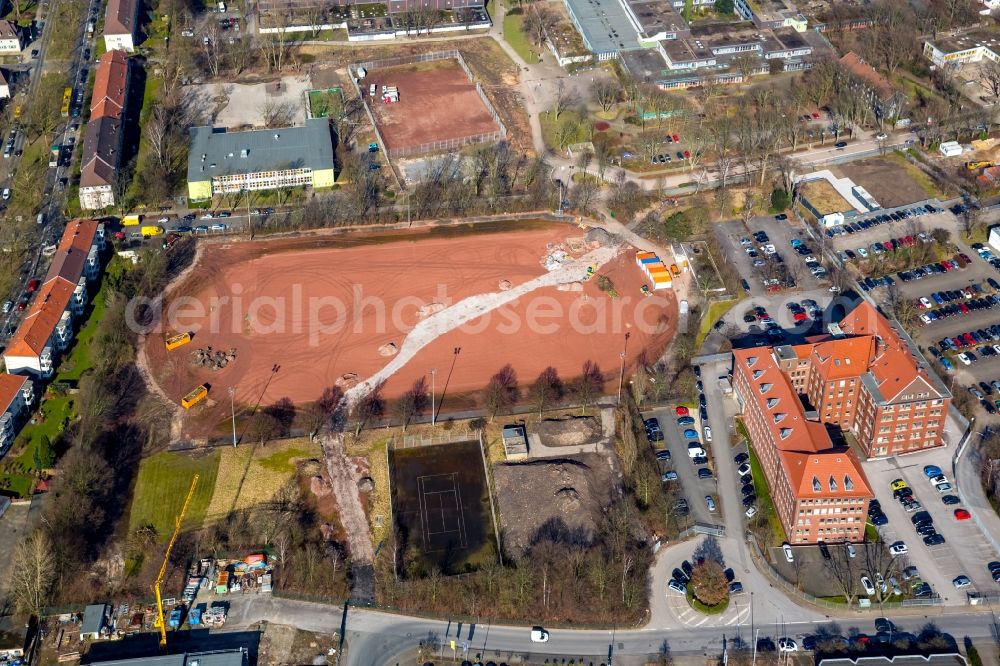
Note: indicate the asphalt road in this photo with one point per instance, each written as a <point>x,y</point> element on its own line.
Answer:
<point>376,638</point>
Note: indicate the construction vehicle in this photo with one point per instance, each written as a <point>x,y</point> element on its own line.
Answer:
<point>178,340</point>
<point>151,230</point>
<point>161,625</point>
<point>194,397</point>
<point>131,220</point>
<point>980,164</point>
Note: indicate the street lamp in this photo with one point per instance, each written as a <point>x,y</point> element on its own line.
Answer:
<point>232,407</point>
<point>621,377</point>
<point>433,412</point>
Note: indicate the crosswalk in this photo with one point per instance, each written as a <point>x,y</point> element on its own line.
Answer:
<point>738,612</point>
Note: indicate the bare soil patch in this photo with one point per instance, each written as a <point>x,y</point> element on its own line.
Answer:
<point>437,102</point>
<point>556,497</point>
<point>569,431</point>
<point>887,182</point>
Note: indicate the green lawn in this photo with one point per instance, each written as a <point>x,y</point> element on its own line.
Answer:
<point>324,103</point>
<point>79,361</point>
<point>162,487</point>
<point>551,128</point>
<point>871,533</point>
<point>513,34</point>
<point>764,503</point>
<point>716,310</point>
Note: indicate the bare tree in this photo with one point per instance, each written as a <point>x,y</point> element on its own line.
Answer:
<point>547,389</point>
<point>502,391</point>
<point>841,568</point>
<point>589,385</point>
<point>563,99</point>
<point>32,573</point>
<point>413,402</point>
<point>277,114</point>
<point>606,93</point>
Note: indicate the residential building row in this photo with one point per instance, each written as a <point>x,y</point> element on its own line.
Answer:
<point>104,135</point>
<point>47,327</point>
<point>222,161</point>
<point>864,380</point>
<point>121,25</point>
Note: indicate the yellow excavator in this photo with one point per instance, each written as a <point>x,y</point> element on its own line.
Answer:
<point>160,623</point>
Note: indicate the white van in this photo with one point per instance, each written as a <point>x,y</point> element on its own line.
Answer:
<point>696,452</point>
<point>539,635</point>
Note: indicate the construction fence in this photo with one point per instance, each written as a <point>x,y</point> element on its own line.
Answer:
<point>432,146</point>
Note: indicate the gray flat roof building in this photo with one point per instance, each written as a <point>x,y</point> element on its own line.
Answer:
<point>221,161</point>
<point>605,26</point>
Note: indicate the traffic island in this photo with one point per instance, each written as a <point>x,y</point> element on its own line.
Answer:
<point>708,588</point>
<point>704,608</point>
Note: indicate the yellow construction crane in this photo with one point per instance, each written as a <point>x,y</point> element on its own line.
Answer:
<point>166,557</point>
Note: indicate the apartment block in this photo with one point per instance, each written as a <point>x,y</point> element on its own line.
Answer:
<point>47,327</point>
<point>17,395</point>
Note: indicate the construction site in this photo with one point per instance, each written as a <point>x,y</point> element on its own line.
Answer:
<point>477,290</point>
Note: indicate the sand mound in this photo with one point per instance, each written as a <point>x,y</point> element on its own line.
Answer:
<point>388,349</point>
<point>504,285</point>
<point>347,380</point>
<point>319,487</point>
<point>571,286</point>
<point>569,431</point>
<point>554,499</point>
<point>429,309</point>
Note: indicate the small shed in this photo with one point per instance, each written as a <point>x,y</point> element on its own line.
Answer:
<point>95,618</point>
<point>515,442</point>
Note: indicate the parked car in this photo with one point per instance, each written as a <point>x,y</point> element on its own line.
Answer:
<point>787,550</point>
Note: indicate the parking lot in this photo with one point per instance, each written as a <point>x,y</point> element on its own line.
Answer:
<point>983,366</point>
<point>687,485</point>
<point>964,551</point>
<point>735,239</point>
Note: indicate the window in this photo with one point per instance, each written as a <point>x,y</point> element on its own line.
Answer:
<point>786,433</point>
<point>833,484</point>
<point>848,483</point>
<point>817,486</point>
<point>757,373</point>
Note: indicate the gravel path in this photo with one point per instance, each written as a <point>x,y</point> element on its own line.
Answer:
<point>470,308</point>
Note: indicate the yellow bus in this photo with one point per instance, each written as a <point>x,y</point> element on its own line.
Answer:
<point>67,98</point>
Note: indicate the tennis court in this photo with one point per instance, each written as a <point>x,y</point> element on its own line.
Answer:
<point>441,506</point>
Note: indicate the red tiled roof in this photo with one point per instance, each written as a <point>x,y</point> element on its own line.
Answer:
<point>777,399</point>
<point>802,468</point>
<point>857,66</point>
<point>894,367</point>
<point>842,357</point>
<point>10,386</point>
<point>120,17</point>
<point>53,297</point>
<point>110,86</point>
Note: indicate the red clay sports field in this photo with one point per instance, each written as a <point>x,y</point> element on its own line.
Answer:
<point>243,296</point>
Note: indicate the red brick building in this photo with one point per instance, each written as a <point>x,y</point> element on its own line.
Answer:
<point>864,378</point>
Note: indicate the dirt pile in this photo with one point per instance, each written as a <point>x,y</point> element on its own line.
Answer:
<point>560,499</point>
<point>569,431</point>
<point>212,359</point>
<point>427,310</point>
<point>388,349</point>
